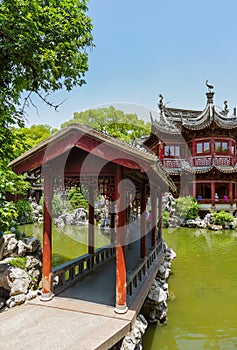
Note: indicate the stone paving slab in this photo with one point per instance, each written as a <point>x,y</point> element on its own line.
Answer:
<point>37,327</point>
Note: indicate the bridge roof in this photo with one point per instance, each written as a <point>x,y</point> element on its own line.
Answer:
<point>83,138</point>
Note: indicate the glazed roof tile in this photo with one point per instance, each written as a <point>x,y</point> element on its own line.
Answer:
<point>173,120</point>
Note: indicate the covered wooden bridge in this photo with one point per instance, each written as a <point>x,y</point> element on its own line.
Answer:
<point>127,176</point>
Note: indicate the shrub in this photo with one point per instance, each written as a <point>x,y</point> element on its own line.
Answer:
<point>8,214</point>
<point>187,208</point>
<point>18,262</point>
<point>25,211</point>
<point>165,218</point>
<point>221,217</point>
<point>57,205</point>
<point>76,199</point>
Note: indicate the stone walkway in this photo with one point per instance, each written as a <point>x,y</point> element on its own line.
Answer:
<point>62,324</point>
<point>81,318</point>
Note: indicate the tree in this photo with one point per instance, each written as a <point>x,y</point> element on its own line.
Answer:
<point>76,198</point>
<point>25,211</point>
<point>126,127</point>
<point>9,183</point>
<point>43,48</point>
<point>57,205</point>
<point>26,138</point>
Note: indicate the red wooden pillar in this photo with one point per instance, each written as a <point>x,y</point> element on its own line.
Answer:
<point>137,207</point>
<point>112,221</point>
<point>47,292</point>
<point>194,190</point>
<point>160,215</point>
<point>91,232</point>
<point>187,189</point>
<point>121,303</point>
<point>213,193</point>
<point>231,192</point>
<point>153,216</point>
<point>193,149</point>
<point>161,152</point>
<point>143,251</point>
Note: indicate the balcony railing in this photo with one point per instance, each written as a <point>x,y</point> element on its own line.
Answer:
<point>172,163</point>
<point>200,161</point>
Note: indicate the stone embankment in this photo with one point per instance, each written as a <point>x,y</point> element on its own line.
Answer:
<point>155,307</point>
<point>156,301</point>
<point>17,285</point>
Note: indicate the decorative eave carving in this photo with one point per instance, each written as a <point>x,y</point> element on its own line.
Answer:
<point>172,120</point>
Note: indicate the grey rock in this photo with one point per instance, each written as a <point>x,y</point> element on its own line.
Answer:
<point>13,279</point>
<point>156,293</point>
<point>16,300</point>
<point>18,281</point>
<point>10,245</point>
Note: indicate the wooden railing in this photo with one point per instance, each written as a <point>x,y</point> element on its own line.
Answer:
<point>172,163</point>
<point>136,277</point>
<point>200,161</point>
<point>68,273</point>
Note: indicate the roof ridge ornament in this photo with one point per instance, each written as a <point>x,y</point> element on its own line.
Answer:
<point>226,110</point>
<point>161,104</point>
<point>210,87</point>
<point>210,93</point>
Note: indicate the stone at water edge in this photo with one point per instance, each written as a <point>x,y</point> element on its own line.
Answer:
<point>14,279</point>
<point>16,300</point>
<point>132,340</point>
<point>156,293</point>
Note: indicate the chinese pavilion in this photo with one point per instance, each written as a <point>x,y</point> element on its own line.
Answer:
<point>198,150</point>
<point>126,175</point>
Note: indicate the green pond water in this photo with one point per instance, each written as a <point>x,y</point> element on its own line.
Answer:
<point>202,308</point>
<point>67,243</point>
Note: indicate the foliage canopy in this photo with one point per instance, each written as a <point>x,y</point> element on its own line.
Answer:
<point>114,122</point>
<point>43,48</point>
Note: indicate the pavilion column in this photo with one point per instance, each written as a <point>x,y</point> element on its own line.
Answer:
<point>121,303</point>
<point>230,192</point>
<point>47,292</point>
<point>213,193</point>
<point>160,215</point>
<point>137,207</point>
<point>187,190</point>
<point>143,251</point>
<point>194,190</point>
<point>153,216</point>
<point>112,221</point>
<point>91,232</point>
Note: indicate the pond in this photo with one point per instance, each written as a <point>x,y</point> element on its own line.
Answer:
<point>67,243</point>
<point>203,285</point>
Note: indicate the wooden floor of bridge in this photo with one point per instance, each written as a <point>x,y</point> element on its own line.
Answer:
<point>82,317</point>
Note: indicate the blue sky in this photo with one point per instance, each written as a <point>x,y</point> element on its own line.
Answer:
<point>144,48</point>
